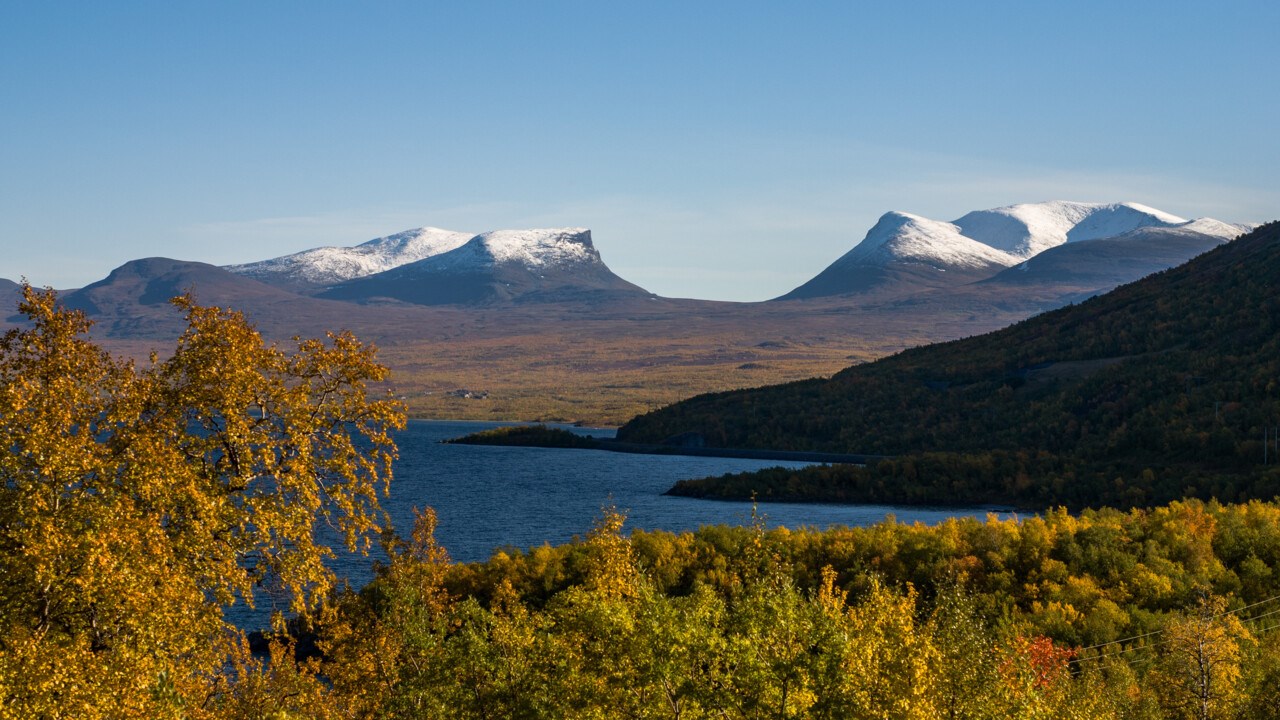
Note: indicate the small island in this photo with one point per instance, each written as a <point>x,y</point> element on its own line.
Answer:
<point>528,436</point>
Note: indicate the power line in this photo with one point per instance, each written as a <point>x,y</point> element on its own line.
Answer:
<point>1246,607</point>
<point>1273,598</point>
<point>1135,648</point>
<point>1121,640</point>
<point>1259,617</point>
<point>1147,646</point>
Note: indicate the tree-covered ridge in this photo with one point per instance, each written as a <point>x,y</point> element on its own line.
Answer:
<point>1024,479</point>
<point>1179,369</point>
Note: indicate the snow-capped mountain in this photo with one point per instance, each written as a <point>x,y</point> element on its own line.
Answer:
<point>546,264</point>
<point>905,253</point>
<point>1030,228</point>
<point>1215,228</point>
<point>321,267</point>
<point>909,251</point>
<point>903,237</point>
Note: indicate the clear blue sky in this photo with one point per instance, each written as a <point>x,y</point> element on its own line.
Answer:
<point>722,150</point>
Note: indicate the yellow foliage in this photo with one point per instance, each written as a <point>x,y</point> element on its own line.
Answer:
<point>890,664</point>
<point>1200,666</point>
<point>612,571</point>
<point>135,503</point>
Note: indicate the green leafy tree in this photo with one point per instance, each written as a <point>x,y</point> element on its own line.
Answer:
<point>965,672</point>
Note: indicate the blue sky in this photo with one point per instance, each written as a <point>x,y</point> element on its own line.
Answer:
<point>720,150</point>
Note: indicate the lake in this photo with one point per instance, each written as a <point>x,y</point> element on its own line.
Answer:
<point>490,497</point>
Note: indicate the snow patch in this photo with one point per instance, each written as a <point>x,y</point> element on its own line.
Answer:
<point>1008,236</point>
<point>535,250</point>
<point>1216,228</point>
<point>1028,229</point>
<point>331,265</point>
<point>903,237</point>
<point>540,248</point>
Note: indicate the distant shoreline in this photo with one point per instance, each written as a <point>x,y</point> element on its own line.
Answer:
<point>740,453</point>
<point>543,436</point>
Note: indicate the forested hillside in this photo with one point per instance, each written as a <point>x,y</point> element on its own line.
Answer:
<point>1180,369</point>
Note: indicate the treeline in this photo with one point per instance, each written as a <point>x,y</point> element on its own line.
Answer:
<point>1179,370</point>
<point>1024,479</point>
<point>1101,615</point>
<point>1111,573</point>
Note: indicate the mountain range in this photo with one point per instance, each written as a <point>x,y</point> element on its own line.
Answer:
<point>496,309</point>
<point>1068,246</point>
<point>1045,244</point>
<point>904,253</point>
<point>1065,243</point>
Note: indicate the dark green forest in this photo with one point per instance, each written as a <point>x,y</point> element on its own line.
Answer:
<point>1026,480</point>
<point>1164,388</point>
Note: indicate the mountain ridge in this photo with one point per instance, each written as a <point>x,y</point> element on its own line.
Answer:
<point>553,264</point>
<point>896,255</point>
<point>1026,229</point>
<point>321,267</point>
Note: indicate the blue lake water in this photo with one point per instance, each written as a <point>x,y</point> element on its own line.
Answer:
<point>489,497</point>
<point>493,497</point>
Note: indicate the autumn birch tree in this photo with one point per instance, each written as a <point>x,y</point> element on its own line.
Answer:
<point>137,503</point>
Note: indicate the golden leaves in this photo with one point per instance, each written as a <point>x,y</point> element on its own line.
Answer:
<point>136,503</point>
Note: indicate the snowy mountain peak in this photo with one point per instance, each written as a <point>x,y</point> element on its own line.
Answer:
<point>1216,228</point>
<point>538,248</point>
<point>332,265</point>
<point>904,237</point>
<point>533,250</point>
<point>1027,229</point>
<point>423,239</point>
<point>895,221</point>
<point>1111,220</point>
